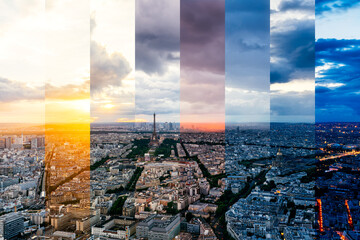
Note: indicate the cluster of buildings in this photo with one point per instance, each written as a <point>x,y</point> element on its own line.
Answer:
<point>270,215</point>
<point>19,142</point>
<point>168,181</point>
<point>337,183</point>
<point>211,156</point>
<point>20,173</point>
<point>281,204</point>
<point>111,175</point>
<point>88,187</point>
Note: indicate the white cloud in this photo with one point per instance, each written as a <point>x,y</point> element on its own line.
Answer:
<point>298,86</point>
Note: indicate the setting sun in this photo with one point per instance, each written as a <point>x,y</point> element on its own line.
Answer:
<point>109,106</point>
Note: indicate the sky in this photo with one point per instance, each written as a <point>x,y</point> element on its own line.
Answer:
<point>126,54</point>
<point>337,61</point>
<point>157,60</point>
<point>202,86</point>
<point>67,61</point>
<point>44,61</point>
<point>292,56</point>
<point>112,60</point>
<point>247,55</point>
<point>22,91</point>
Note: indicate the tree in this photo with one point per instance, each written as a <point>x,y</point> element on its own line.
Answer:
<point>171,208</point>
<point>189,216</point>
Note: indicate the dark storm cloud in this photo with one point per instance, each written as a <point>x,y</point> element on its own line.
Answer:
<point>157,35</point>
<point>292,51</point>
<point>157,58</point>
<point>323,6</point>
<point>296,50</point>
<point>247,44</point>
<point>202,44</point>
<point>106,69</point>
<point>337,90</point>
<point>14,91</point>
<point>203,35</point>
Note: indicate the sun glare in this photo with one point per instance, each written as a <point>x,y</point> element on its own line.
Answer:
<point>109,106</point>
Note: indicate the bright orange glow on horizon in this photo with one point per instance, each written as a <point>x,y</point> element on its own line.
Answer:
<point>60,108</point>
<point>203,127</point>
<point>67,112</point>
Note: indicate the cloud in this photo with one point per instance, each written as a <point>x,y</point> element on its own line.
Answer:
<point>338,75</point>
<point>209,88</point>
<point>157,57</point>
<point>127,120</point>
<point>295,86</point>
<point>202,60</point>
<point>323,6</point>
<point>157,35</point>
<point>297,5</point>
<point>247,48</point>
<point>68,91</point>
<point>242,103</point>
<point>106,69</point>
<point>339,51</point>
<point>292,61</point>
<point>158,94</point>
<point>293,51</point>
<point>11,91</point>
<point>296,104</point>
<point>92,22</point>
<point>203,35</point>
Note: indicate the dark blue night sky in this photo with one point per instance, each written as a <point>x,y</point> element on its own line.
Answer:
<point>338,85</point>
<point>337,62</point>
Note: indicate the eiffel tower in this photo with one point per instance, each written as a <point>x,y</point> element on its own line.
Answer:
<point>154,138</point>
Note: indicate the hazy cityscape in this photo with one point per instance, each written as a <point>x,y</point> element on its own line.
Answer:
<point>251,182</point>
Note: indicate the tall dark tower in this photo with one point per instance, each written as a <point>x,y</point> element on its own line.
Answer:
<point>154,139</point>
<point>154,136</point>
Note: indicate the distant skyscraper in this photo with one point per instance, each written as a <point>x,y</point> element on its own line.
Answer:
<point>8,142</point>
<point>170,126</point>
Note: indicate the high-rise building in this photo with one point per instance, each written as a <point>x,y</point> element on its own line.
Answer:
<point>11,225</point>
